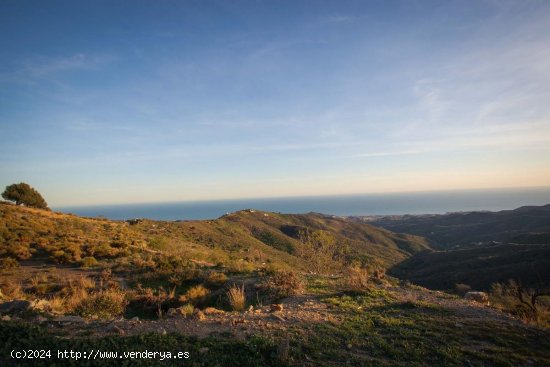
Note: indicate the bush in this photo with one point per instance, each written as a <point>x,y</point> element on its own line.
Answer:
<point>462,289</point>
<point>236,297</point>
<point>529,304</point>
<point>283,284</point>
<point>8,263</point>
<point>104,304</point>
<point>89,262</point>
<point>357,279</point>
<point>195,294</point>
<point>216,278</point>
<point>187,309</point>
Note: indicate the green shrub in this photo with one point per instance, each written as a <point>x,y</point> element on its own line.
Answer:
<point>187,309</point>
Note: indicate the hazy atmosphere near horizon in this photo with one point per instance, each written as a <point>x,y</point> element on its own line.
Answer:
<point>125,102</point>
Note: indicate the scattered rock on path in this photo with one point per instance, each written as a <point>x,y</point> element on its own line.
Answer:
<point>278,317</point>
<point>199,315</point>
<point>212,311</point>
<point>276,307</point>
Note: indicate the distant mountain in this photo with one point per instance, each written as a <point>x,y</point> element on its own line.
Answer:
<point>527,225</point>
<point>481,247</point>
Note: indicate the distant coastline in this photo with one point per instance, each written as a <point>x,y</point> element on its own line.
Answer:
<point>438,202</point>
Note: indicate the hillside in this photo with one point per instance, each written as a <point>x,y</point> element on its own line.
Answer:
<point>528,224</point>
<point>246,239</point>
<point>478,266</point>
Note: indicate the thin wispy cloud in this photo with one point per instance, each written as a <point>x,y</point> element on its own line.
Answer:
<point>348,90</point>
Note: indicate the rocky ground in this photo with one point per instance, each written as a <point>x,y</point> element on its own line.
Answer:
<point>299,310</point>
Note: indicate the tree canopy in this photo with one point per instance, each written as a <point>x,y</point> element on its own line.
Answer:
<point>24,194</point>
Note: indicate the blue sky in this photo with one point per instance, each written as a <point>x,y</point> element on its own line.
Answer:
<point>144,101</point>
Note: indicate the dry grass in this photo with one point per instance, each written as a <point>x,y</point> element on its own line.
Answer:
<point>216,278</point>
<point>13,291</point>
<point>103,304</point>
<point>356,279</point>
<point>8,263</point>
<point>194,294</point>
<point>236,297</point>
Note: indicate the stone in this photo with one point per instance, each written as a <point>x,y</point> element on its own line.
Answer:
<point>276,307</point>
<point>116,329</point>
<point>212,311</point>
<point>278,317</point>
<point>199,315</point>
<point>41,305</point>
<point>172,312</point>
<point>15,306</point>
<point>6,318</point>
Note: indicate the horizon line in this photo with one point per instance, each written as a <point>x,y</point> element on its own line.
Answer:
<point>502,188</point>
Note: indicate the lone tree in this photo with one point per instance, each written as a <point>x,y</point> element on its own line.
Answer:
<point>24,194</point>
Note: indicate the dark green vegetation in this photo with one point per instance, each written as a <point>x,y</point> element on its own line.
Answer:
<point>221,351</point>
<point>527,225</point>
<point>24,194</point>
<point>380,328</point>
<point>478,267</point>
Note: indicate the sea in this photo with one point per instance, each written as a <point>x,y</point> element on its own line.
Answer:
<point>436,202</point>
